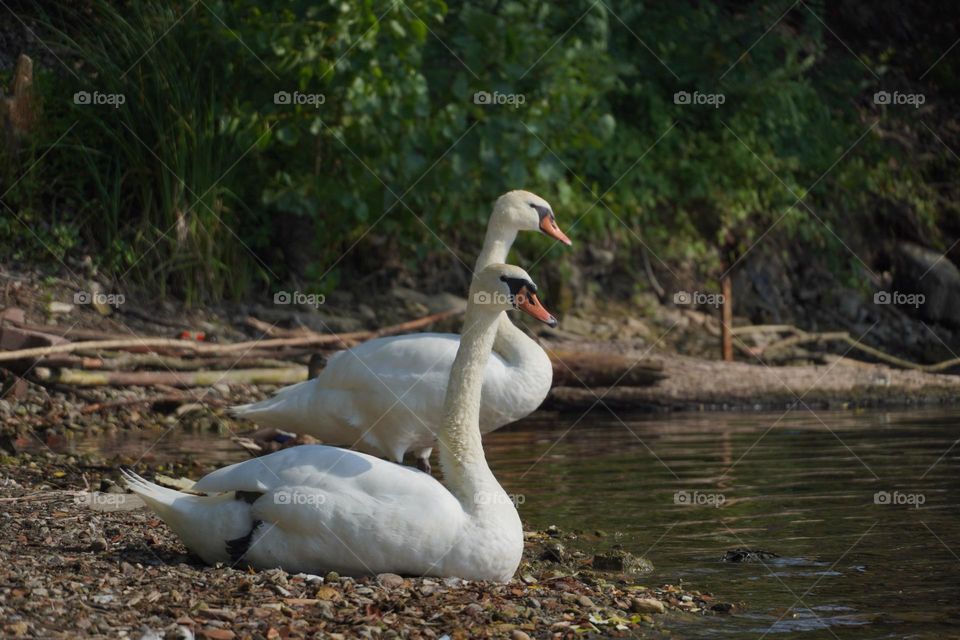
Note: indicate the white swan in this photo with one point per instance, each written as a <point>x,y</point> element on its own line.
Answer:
<point>315,508</point>
<point>385,396</point>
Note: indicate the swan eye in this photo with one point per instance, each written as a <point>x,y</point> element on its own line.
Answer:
<point>542,211</point>
<point>516,284</point>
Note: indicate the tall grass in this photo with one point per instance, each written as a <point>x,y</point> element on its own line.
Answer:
<point>157,150</point>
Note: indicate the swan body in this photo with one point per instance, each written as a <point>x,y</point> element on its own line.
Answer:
<point>364,398</point>
<point>316,508</point>
<point>385,396</point>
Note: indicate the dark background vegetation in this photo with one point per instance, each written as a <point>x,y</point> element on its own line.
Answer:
<point>201,187</point>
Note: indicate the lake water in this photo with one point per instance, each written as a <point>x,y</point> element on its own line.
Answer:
<point>860,508</point>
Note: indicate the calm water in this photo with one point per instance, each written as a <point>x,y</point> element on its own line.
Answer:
<point>681,489</point>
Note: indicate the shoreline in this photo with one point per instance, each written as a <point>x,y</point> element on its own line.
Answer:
<point>82,563</point>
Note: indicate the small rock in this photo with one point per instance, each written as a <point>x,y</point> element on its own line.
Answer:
<point>723,607</point>
<point>554,552</point>
<point>646,605</point>
<point>585,601</point>
<point>56,307</point>
<point>621,562</point>
<point>390,580</point>
<point>517,634</point>
<point>472,609</point>
<point>748,555</point>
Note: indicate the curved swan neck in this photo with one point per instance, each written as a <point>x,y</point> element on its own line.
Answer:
<point>496,246</point>
<point>513,344</point>
<point>461,449</point>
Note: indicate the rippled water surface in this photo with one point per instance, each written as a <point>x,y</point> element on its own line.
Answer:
<point>860,507</point>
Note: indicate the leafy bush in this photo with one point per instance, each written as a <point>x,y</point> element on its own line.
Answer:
<point>203,184</point>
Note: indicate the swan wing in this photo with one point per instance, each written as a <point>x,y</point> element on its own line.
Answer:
<point>330,508</point>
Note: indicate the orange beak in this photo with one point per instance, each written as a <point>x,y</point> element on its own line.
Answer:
<point>549,226</point>
<point>529,303</point>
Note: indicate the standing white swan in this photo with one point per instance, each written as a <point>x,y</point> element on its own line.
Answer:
<point>385,396</point>
<point>315,508</point>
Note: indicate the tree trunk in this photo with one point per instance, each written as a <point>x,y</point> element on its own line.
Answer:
<point>726,318</point>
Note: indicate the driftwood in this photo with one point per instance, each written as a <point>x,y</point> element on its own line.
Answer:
<point>80,378</point>
<point>788,347</point>
<point>132,362</point>
<point>588,369</point>
<point>152,344</point>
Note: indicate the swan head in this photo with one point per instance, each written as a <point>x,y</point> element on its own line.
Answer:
<point>501,287</point>
<point>525,211</point>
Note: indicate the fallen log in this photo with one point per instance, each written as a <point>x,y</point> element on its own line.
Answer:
<point>590,369</point>
<point>81,378</point>
<point>152,344</point>
<point>133,362</point>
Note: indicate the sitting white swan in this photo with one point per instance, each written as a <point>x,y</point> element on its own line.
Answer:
<point>385,396</point>
<point>315,508</point>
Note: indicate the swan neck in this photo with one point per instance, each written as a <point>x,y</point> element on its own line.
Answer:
<point>460,447</point>
<point>513,344</point>
<point>496,246</point>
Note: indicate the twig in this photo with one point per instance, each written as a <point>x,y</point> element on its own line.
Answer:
<point>221,349</point>
<point>82,378</point>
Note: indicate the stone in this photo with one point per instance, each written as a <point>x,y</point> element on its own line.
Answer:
<point>919,270</point>
<point>390,580</point>
<point>621,562</point>
<point>646,605</point>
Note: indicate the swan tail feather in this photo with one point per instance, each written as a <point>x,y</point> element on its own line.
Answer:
<point>207,525</point>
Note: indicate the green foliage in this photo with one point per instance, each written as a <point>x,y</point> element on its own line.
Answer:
<point>202,184</point>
